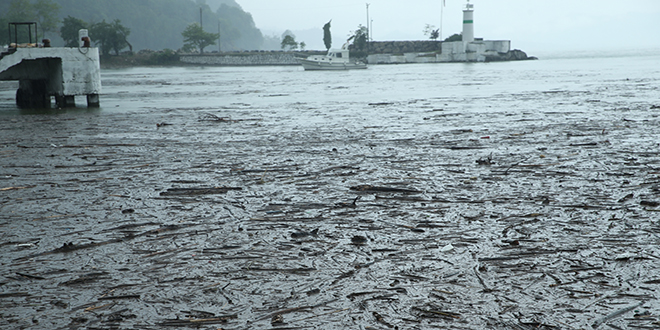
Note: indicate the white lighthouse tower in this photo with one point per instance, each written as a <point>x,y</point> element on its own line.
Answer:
<point>472,49</point>
<point>468,23</point>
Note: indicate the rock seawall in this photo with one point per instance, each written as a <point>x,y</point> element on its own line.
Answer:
<point>379,52</point>
<point>512,55</point>
<point>400,47</point>
<point>268,58</point>
<point>436,57</point>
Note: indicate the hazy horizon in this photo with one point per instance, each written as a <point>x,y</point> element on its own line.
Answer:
<point>533,26</point>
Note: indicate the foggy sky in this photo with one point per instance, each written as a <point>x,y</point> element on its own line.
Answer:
<point>531,25</point>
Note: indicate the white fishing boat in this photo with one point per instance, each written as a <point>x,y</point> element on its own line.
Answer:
<point>336,59</point>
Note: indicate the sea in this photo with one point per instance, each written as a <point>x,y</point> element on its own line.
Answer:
<point>295,97</point>
<point>463,195</point>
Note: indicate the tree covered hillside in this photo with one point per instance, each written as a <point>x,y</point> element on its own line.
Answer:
<point>153,24</point>
<point>215,4</point>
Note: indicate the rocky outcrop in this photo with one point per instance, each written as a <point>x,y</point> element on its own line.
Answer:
<point>512,55</point>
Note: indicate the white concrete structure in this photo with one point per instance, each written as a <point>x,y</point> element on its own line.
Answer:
<point>472,49</point>
<point>475,51</point>
<point>468,23</point>
<point>60,72</point>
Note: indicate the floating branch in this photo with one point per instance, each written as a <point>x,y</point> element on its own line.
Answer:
<point>197,191</point>
<point>370,188</point>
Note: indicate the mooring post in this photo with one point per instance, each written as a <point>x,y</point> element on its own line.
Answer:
<point>65,101</point>
<point>93,101</point>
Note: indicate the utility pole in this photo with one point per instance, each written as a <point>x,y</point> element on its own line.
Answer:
<point>200,18</point>
<point>442,10</point>
<point>368,32</point>
<point>219,36</point>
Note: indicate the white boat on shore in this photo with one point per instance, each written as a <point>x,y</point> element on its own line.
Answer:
<point>336,59</point>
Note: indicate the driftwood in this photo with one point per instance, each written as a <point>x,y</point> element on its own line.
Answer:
<point>370,188</point>
<point>197,191</point>
<point>403,216</point>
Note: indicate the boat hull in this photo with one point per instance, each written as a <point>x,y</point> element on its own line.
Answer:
<point>316,65</point>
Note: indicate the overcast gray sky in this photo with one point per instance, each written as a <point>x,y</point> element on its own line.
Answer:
<point>531,25</point>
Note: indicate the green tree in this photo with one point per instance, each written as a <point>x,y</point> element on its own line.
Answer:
<point>327,37</point>
<point>435,34</point>
<point>302,45</point>
<point>20,11</point>
<point>110,36</point>
<point>188,48</point>
<point>164,57</point>
<point>46,12</point>
<point>289,41</point>
<point>69,30</point>
<point>101,34</point>
<point>156,24</point>
<point>431,32</point>
<point>4,31</point>
<point>454,37</point>
<point>238,29</point>
<point>120,40</point>
<point>195,37</point>
<point>359,38</point>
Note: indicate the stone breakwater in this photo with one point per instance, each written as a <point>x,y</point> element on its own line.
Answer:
<point>241,59</point>
<point>512,55</point>
<point>400,47</point>
<point>380,52</point>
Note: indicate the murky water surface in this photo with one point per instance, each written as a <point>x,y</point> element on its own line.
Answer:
<point>465,196</point>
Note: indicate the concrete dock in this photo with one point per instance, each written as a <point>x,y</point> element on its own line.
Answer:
<point>46,72</point>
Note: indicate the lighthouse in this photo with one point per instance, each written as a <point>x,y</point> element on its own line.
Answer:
<point>472,49</point>
<point>468,23</point>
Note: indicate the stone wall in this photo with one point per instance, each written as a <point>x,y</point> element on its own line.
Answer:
<point>266,58</point>
<point>485,56</point>
<point>400,47</point>
<point>380,52</point>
